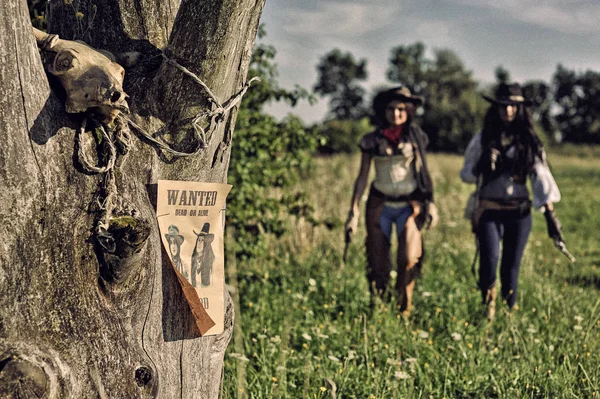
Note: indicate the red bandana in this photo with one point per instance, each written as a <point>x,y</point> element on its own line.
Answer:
<point>393,134</point>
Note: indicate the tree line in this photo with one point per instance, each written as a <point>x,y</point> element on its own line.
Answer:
<point>567,109</point>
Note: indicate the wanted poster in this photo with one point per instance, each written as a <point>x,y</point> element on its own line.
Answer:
<point>191,221</point>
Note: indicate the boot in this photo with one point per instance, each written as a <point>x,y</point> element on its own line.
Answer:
<point>489,300</point>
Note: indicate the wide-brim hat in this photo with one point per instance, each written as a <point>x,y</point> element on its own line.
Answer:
<point>205,231</point>
<point>508,94</point>
<point>400,93</point>
<point>173,232</point>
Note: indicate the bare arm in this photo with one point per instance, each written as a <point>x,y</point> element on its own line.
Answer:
<point>361,182</point>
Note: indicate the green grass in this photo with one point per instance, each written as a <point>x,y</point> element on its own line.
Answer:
<point>307,331</point>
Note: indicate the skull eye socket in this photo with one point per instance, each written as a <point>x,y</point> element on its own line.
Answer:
<point>64,62</point>
<point>115,96</point>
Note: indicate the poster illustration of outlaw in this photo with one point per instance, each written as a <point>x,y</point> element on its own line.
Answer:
<point>203,256</point>
<point>175,240</point>
<point>191,221</point>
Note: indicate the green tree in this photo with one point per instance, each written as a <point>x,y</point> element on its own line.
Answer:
<point>578,100</point>
<point>267,155</point>
<point>541,95</point>
<point>502,74</point>
<point>453,109</point>
<point>339,74</point>
<point>409,66</point>
<point>343,135</point>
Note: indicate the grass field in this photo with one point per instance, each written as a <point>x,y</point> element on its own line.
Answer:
<point>304,328</point>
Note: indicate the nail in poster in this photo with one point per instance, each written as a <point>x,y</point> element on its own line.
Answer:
<point>191,221</point>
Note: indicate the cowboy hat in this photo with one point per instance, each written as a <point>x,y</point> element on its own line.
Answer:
<point>508,94</point>
<point>174,233</point>
<point>204,231</point>
<point>400,93</point>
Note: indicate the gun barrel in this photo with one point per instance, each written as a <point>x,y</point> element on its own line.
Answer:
<point>563,248</point>
<point>347,241</point>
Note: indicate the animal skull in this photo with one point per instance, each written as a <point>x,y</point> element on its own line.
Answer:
<point>92,80</point>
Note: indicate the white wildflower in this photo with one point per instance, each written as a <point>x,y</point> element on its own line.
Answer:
<point>276,339</point>
<point>239,356</point>
<point>456,336</point>
<point>394,362</point>
<point>307,337</point>
<point>312,282</point>
<point>401,375</point>
<point>333,358</point>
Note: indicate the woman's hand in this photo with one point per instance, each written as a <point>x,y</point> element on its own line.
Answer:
<point>489,164</point>
<point>433,215</point>
<point>352,221</point>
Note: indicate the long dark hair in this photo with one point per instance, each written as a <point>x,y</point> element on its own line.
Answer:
<point>527,143</point>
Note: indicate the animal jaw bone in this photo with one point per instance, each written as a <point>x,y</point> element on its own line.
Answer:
<point>93,82</point>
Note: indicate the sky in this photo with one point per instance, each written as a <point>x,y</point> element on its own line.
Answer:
<point>529,38</point>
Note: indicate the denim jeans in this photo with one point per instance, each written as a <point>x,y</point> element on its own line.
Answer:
<point>394,216</point>
<point>512,229</point>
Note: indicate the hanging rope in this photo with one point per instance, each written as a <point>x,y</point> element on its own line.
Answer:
<point>213,117</point>
<point>119,141</point>
<point>106,202</point>
<point>200,137</point>
<point>123,138</point>
<point>83,158</point>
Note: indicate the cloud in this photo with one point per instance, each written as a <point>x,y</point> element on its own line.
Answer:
<point>435,31</point>
<point>529,37</point>
<point>341,18</point>
<point>570,16</point>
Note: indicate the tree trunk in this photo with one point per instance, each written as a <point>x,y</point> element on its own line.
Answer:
<point>74,323</point>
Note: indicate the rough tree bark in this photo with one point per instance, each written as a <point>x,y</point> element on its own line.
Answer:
<point>70,328</point>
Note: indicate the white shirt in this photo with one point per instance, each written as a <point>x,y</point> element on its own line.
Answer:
<point>543,184</point>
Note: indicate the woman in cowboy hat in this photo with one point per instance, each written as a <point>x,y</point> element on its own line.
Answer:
<point>499,159</point>
<point>175,240</point>
<point>203,256</point>
<point>401,194</point>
